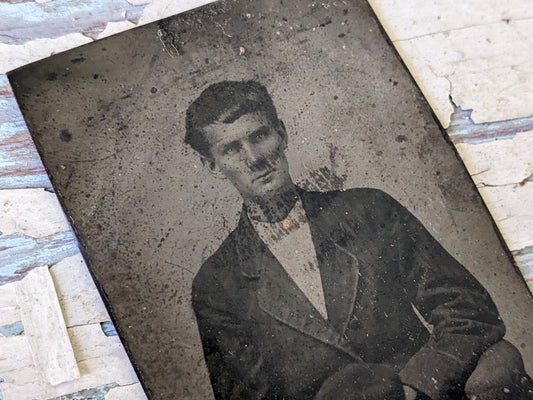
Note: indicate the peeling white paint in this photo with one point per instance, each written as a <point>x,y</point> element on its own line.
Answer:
<point>33,212</point>
<point>113,28</point>
<point>80,300</point>
<point>45,327</point>
<point>489,79</point>
<point>158,9</point>
<point>420,17</point>
<point>488,169</point>
<point>100,357</point>
<point>126,393</point>
<point>9,308</point>
<point>101,360</point>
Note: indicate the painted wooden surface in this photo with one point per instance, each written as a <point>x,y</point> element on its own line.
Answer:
<point>99,356</point>
<point>457,49</point>
<point>478,52</point>
<point>44,327</point>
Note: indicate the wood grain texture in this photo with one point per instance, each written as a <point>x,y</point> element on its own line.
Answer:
<point>482,74</point>
<point>101,360</point>
<point>26,21</point>
<point>20,165</point>
<point>33,212</point>
<point>80,300</point>
<point>415,18</point>
<point>44,328</point>
<point>462,50</point>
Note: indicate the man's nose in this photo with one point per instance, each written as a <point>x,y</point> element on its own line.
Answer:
<point>252,156</point>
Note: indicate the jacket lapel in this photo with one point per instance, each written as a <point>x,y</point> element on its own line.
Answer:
<point>339,271</point>
<point>339,267</point>
<point>280,298</point>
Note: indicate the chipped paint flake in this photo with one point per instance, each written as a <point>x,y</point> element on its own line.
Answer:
<point>20,253</point>
<point>31,20</point>
<point>14,329</point>
<point>524,261</point>
<point>463,129</point>
<point>101,360</point>
<point>108,328</point>
<point>96,393</point>
<point>128,392</point>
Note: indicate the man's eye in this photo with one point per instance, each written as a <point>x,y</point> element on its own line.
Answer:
<point>231,149</point>
<point>260,135</point>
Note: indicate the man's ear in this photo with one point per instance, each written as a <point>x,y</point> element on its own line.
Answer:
<point>211,165</point>
<point>283,133</point>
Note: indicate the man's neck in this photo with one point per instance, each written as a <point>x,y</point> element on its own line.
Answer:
<point>272,209</point>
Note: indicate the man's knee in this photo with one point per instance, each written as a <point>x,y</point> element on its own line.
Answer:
<point>500,374</point>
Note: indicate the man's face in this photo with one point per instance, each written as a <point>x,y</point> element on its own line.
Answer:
<point>250,153</point>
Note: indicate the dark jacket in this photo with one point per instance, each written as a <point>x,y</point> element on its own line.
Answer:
<point>379,266</point>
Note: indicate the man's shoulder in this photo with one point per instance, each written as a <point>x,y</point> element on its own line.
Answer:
<point>217,270</point>
<point>363,197</point>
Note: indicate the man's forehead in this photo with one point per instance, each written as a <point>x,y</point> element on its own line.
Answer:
<point>220,131</point>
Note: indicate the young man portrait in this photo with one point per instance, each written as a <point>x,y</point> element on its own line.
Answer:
<point>332,295</point>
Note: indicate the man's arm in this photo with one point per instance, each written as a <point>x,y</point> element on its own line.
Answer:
<point>233,361</point>
<point>464,318</point>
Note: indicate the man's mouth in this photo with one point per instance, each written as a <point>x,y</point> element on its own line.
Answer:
<point>263,175</point>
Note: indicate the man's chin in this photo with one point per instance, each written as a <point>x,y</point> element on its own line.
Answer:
<point>271,190</point>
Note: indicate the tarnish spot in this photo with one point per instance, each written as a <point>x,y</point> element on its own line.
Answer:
<point>19,253</point>
<point>463,129</point>
<point>97,393</point>
<point>324,179</point>
<point>108,328</point>
<point>30,20</point>
<point>13,329</point>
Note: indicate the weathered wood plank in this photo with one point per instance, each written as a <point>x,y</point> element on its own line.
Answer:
<point>9,307</point>
<point>463,130</point>
<point>44,327</point>
<point>25,21</point>
<point>101,360</point>
<point>524,261</point>
<point>80,300</point>
<point>20,165</point>
<point>20,253</point>
<point>408,20</point>
<point>126,393</point>
<point>33,212</point>
<point>482,74</point>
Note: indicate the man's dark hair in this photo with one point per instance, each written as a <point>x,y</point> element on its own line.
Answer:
<point>229,100</point>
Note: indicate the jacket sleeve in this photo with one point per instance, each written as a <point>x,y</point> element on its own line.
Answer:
<point>464,319</point>
<point>232,360</point>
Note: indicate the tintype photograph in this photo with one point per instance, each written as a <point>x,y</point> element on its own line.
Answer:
<point>271,211</point>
